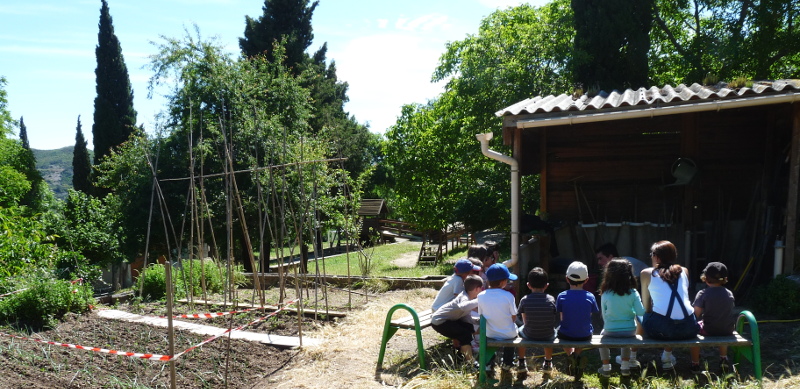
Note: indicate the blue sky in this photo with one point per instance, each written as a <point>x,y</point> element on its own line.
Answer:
<point>385,49</point>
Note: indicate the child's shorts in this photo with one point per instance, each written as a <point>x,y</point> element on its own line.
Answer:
<point>705,333</point>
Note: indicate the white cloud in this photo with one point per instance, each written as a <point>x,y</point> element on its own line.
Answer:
<point>382,23</point>
<point>503,4</point>
<point>380,82</point>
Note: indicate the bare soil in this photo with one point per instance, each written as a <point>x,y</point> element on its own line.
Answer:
<point>346,358</point>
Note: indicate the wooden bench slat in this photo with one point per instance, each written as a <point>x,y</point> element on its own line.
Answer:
<point>407,322</point>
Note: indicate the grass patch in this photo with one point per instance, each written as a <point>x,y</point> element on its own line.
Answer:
<point>380,262</point>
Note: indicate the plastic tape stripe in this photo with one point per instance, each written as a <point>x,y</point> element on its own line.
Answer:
<point>10,293</point>
<point>234,329</point>
<point>212,315</point>
<point>151,357</point>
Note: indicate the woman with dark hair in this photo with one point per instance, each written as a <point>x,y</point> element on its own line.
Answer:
<point>665,296</point>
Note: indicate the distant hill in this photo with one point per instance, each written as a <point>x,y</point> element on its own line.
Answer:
<point>56,168</point>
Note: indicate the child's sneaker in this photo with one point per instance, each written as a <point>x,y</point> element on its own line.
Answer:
<point>625,371</point>
<point>696,369</point>
<point>577,365</point>
<point>632,363</point>
<point>667,363</point>
<point>547,369</point>
<point>522,370</point>
<point>604,373</point>
<point>505,375</point>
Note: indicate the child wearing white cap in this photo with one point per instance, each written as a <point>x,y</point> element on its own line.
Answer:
<point>576,307</point>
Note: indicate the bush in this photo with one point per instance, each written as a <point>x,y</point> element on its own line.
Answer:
<point>44,302</point>
<point>155,280</point>
<point>780,297</point>
<point>152,282</point>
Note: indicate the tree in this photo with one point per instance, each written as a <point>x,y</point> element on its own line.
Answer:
<point>432,158</point>
<point>81,165</point>
<point>709,41</point>
<point>23,134</point>
<point>612,41</point>
<point>114,116</point>
<point>6,122</point>
<point>284,21</point>
<point>33,198</point>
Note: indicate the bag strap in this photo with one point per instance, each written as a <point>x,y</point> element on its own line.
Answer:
<point>675,297</point>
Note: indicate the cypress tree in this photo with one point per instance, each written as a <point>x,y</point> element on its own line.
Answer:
<point>23,134</point>
<point>81,166</point>
<point>114,116</point>
<point>32,199</point>
<point>282,19</point>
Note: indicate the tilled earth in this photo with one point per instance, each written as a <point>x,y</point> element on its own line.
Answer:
<point>220,363</point>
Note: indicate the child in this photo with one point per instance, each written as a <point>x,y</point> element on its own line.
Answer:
<point>492,257</point>
<point>714,305</point>
<point>620,306</point>
<point>454,285</point>
<point>576,307</point>
<point>497,306</point>
<point>454,319</point>
<point>539,314</point>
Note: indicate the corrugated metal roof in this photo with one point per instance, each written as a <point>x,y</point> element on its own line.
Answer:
<point>372,207</point>
<point>646,98</point>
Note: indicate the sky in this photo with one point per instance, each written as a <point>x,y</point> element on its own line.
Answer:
<point>386,50</point>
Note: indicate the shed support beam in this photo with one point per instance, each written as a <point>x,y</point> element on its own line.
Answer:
<point>791,201</point>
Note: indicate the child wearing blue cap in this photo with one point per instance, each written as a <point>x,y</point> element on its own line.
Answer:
<point>454,285</point>
<point>500,311</point>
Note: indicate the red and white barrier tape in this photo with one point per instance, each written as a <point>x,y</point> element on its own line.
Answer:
<point>10,293</point>
<point>151,357</point>
<point>213,315</point>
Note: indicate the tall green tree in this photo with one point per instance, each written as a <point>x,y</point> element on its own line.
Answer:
<point>6,122</point>
<point>432,158</point>
<point>284,21</point>
<point>23,134</point>
<point>288,24</point>
<point>612,42</point>
<point>709,40</point>
<point>81,165</point>
<point>33,198</point>
<point>114,116</point>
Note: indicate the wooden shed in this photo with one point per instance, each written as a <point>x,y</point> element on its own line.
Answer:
<point>371,212</point>
<point>712,168</point>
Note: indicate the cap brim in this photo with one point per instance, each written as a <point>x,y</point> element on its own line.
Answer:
<point>512,276</point>
<point>476,268</point>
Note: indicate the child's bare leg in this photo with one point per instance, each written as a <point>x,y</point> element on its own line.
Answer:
<point>467,352</point>
<point>695,354</point>
<point>548,353</point>
<point>723,351</point>
<point>568,350</point>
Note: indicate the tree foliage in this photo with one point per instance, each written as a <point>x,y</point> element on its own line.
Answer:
<point>612,41</point>
<point>81,164</point>
<point>432,157</point>
<point>287,22</point>
<point>715,40</point>
<point>114,116</point>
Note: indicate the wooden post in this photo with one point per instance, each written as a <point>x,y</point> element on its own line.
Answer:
<point>791,198</point>
<point>170,328</point>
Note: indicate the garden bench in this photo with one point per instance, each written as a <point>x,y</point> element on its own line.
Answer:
<point>739,346</point>
<point>415,321</point>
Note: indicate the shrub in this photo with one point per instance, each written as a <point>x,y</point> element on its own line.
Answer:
<point>780,297</point>
<point>44,302</point>
<point>187,279</point>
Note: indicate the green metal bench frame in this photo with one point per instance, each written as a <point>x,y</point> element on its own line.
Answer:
<point>389,329</point>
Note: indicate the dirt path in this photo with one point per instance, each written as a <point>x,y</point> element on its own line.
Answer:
<point>349,350</point>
